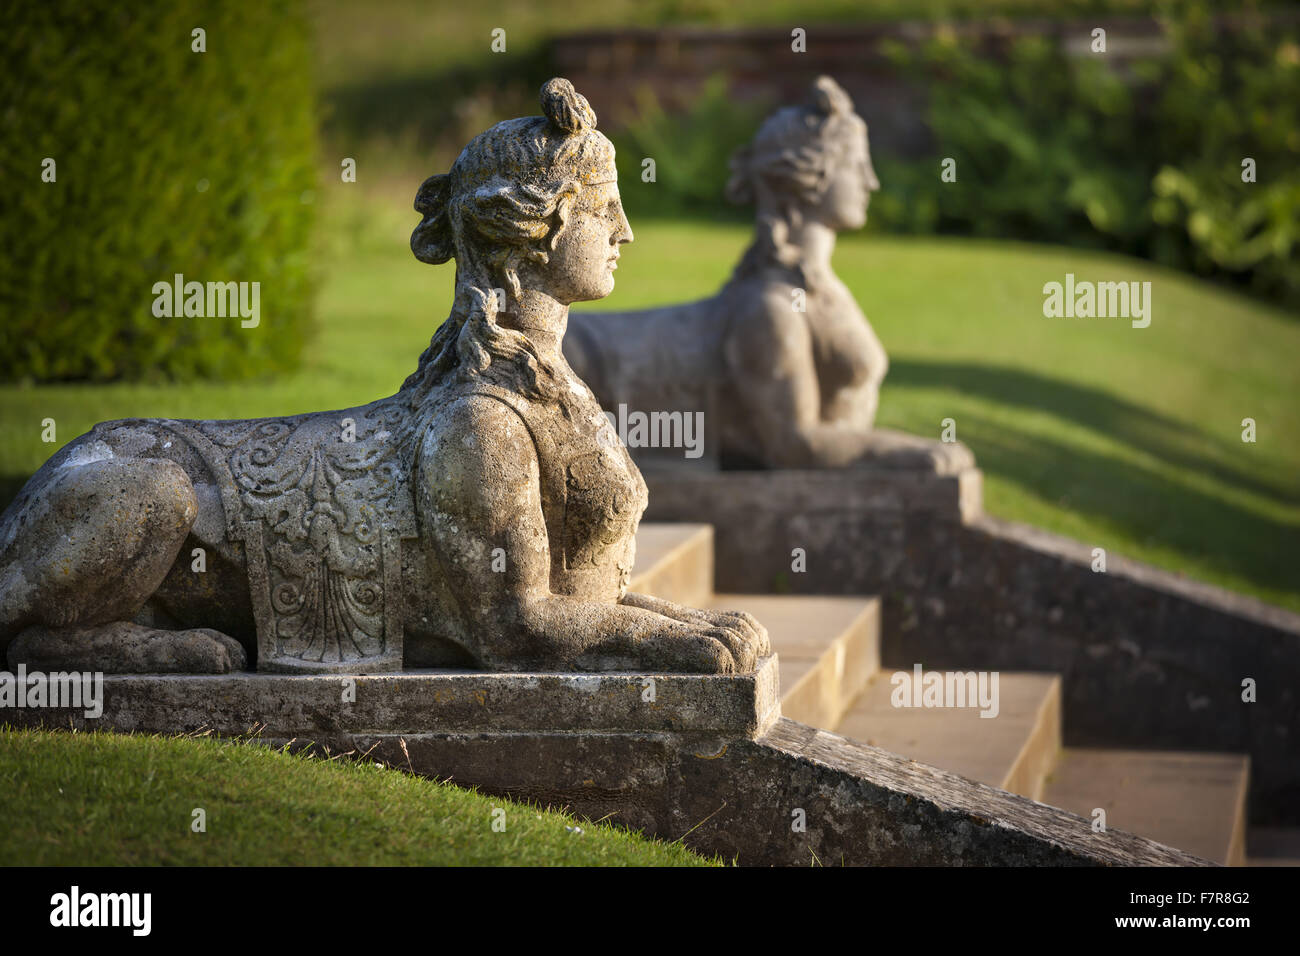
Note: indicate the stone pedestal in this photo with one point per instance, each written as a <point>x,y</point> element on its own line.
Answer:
<point>860,531</point>
<point>707,758</point>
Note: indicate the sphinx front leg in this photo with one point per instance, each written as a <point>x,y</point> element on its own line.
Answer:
<point>889,449</point>
<point>123,647</point>
<point>93,542</point>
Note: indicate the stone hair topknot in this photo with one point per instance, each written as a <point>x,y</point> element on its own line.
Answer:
<point>829,98</point>
<point>565,107</point>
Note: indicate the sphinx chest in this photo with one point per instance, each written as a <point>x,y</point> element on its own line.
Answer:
<point>592,493</point>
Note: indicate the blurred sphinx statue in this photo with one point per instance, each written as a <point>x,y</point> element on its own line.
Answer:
<point>480,517</point>
<point>781,361</point>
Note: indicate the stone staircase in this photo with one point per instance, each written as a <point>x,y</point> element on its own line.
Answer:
<point>829,654</point>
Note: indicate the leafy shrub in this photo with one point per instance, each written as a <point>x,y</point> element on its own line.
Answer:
<point>1228,98</point>
<point>1066,149</point>
<point>691,150</point>
<point>168,161</point>
<point>1041,149</point>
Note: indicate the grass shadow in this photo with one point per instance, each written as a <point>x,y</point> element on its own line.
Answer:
<point>1144,504</point>
<point>1139,427</point>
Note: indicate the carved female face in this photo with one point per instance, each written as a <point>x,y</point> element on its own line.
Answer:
<point>581,267</point>
<point>850,185</point>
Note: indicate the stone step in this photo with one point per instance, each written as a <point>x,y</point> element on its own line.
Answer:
<point>1012,751</point>
<point>827,648</point>
<point>1193,801</point>
<point>674,562</point>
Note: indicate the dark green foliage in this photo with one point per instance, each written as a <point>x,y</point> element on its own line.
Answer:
<point>691,150</point>
<point>168,161</point>
<point>1042,145</point>
<point>1067,148</point>
<point>1227,97</point>
<point>1147,160</point>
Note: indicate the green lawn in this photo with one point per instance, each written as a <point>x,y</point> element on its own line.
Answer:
<point>118,800</point>
<point>1127,439</point>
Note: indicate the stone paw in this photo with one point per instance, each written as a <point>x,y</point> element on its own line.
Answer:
<point>899,451</point>
<point>123,647</point>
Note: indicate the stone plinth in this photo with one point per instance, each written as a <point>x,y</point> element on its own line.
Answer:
<point>703,757</point>
<point>421,701</point>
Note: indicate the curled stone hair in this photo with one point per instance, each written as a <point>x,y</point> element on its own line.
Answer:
<point>503,203</point>
<point>787,167</point>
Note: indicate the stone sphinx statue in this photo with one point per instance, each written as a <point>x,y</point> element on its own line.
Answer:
<point>781,361</point>
<point>480,517</point>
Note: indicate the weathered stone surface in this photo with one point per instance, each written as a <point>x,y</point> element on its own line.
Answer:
<point>123,646</point>
<point>867,806</point>
<point>285,706</point>
<point>1014,752</point>
<point>709,760</point>
<point>619,777</point>
<point>1194,801</point>
<point>781,365</point>
<point>1150,659</point>
<point>485,515</point>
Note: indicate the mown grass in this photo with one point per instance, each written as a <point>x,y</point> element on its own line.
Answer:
<point>116,800</point>
<point>1127,439</point>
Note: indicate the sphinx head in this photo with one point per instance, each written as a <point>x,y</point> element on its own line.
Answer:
<point>532,201</point>
<point>532,204</point>
<point>810,162</point>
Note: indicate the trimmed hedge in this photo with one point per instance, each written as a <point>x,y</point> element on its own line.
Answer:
<point>167,161</point>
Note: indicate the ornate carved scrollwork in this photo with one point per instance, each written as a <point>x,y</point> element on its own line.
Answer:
<point>321,507</point>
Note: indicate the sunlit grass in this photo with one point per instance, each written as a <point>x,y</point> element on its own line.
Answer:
<point>117,800</point>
